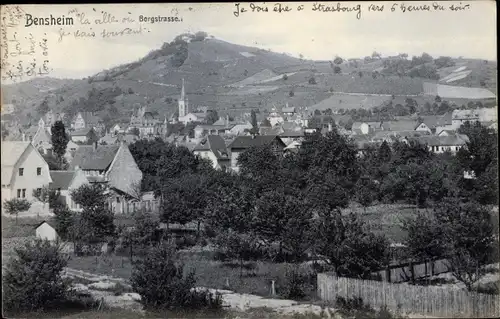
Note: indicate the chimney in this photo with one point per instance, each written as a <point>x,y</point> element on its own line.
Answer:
<point>95,145</point>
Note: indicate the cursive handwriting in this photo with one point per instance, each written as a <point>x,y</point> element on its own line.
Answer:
<point>338,7</point>
<point>19,51</point>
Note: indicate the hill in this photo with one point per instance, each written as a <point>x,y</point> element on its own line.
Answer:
<point>233,78</point>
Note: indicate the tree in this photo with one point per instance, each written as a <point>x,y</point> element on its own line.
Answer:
<point>95,223</point>
<point>59,140</point>
<point>184,199</point>
<point>92,137</point>
<point>463,233</point>
<point>360,74</point>
<point>437,99</point>
<point>444,61</point>
<point>64,222</point>
<point>291,93</point>
<point>265,123</point>
<point>160,281</point>
<point>212,117</point>
<point>240,246</point>
<point>376,55</point>
<point>54,163</point>
<point>253,121</point>
<point>16,205</point>
<point>338,60</point>
<point>43,194</point>
<point>344,243</point>
<point>32,279</point>
<point>337,70</point>
<point>312,80</point>
<point>257,160</point>
<point>285,77</point>
<point>43,108</point>
<point>366,191</point>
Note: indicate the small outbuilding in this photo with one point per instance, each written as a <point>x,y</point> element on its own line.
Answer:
<point>45,231</point>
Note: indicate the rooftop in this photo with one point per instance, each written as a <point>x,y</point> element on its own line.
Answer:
<point>88,158</point>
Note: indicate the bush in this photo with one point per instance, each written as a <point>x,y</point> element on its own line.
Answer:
<point>160,281</point>
<point>356,308</point>
<point>297,285</point>
<point>32,279</point>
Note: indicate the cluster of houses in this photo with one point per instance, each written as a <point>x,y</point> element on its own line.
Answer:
<point>97,156</point>
<point>439,133</point>
<point>24,170</point>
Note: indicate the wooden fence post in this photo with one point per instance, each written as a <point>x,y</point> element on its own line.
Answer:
<point>412,272</point>
<point>388,274</point>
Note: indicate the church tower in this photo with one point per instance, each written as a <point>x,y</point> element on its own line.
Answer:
<point>182,102</point>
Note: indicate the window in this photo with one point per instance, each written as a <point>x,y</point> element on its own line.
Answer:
<point>117,199</point>
<point>24,193</point>
<point>18,193</point>
<point>21,171</point>
<point>38,171</point>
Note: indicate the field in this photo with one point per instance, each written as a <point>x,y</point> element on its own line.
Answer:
<point>348,102</point>
<point>256,276</point>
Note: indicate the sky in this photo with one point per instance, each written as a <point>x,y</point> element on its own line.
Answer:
<point>470,33</point>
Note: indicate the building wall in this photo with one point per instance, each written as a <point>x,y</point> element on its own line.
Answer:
<point>364,128</point>
<point>79,123</point>
<point>45,231</point>
<point>234,158</point>
<point>79,179</point>
<point>441,149</point>
<point>30,161</point>
<point>423,128</point>
<point>124,174</point>
<point>208,155</point>
<point>82,139</point>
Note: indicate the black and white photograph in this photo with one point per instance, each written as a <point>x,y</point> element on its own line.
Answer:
<point>295,160</point>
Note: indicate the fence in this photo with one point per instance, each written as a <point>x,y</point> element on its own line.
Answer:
<point>436,301</point>
<point>409,271</point>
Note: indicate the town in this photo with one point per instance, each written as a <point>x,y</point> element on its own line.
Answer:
<point>351,188</point>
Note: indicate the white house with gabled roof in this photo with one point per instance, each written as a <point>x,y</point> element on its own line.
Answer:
<point>23,170</point>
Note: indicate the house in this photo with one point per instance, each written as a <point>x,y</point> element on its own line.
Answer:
<point>64,182</point>
<point>50,118</point>
<point>399,125</point>
<point>81,135</point>
<point>441,144</point>
<point>203,130</point>
<point>42,140</point>
<point>363,143</point>
<point>146,121</point>
<point>241,128</point>
<point>114,167</point>
<point>45,231</point>
<point>242,143</point>
<point>87,120</point>
<point>214,148</point>
<point>434,123</point>
<point>289,136</point>
<point>293,147</point>
<point>459,117</point>
<point>288,111</point>
<point>193,117</point>
<point>23,170</point>
<point>365,127</point>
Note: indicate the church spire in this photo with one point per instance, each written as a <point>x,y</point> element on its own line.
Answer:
<point>182,91</point>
